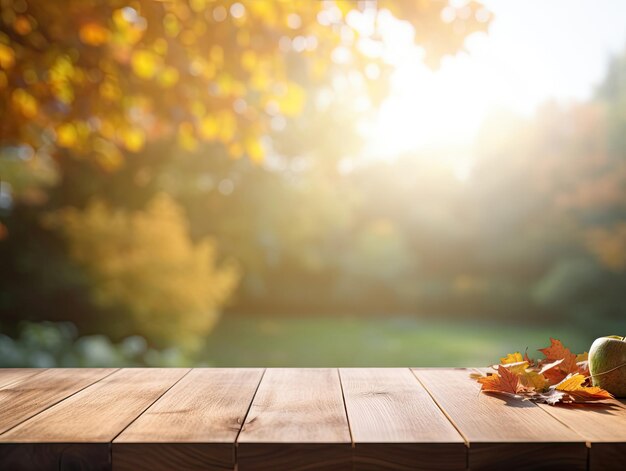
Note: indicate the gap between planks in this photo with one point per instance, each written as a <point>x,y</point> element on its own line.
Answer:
<point>443,411</point>
<point>147,407</point>
<point>345,407</point>
<point>245,417</point>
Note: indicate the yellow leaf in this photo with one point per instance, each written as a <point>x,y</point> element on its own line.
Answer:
<point>25,103</point>
<point>145,63</point>
<point>209,128</point>
<point>168,77</point>
<point>534,380</point>
<point>573,386</point>
<point>67,135</point>
<point>171,25</point>
<point>572,383</point>
<point>512,358</point>
<point>133,139</point>
<point>254,149</point>
<point>7,57</point>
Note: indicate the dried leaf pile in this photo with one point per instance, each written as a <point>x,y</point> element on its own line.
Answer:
<point>561,376</point>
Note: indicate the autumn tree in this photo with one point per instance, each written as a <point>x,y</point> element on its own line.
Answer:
<point>108,94</point>
<point>101,78</point>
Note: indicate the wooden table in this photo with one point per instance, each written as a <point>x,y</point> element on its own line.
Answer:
<point>273,419</point>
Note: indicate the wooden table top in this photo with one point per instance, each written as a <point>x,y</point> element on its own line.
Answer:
<point>292,418</point>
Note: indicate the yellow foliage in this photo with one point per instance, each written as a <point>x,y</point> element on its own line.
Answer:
<point>93,34</point>
<point>133,139</point>
<point>25,103</point>
<point>209,128</point>
<point>168,77</point>
<point>7,57</point>
<point>67,135</point>
<point>207,52</point>
<point>145,63</point>
<point>145,262</point>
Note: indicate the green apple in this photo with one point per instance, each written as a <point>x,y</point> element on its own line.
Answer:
<point>607,364</point>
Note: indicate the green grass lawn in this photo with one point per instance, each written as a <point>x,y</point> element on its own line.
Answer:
<point>390,341</point>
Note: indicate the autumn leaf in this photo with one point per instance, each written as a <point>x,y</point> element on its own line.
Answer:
<point>530,361</point>
<point>582,357</point>
<point>528,377</point>
<point>516,368</point>
<point>552,397</point>
<point>573,386</point>
<point>557,351</point>
<point>562,377</point>
<point>502,382</point>
<point>534,380</point>
<point>582,361</point>
<point>512,358</point>
<point>553,372</point>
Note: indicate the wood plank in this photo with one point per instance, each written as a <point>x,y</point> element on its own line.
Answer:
<point>503,433</point>
<point>297,421</point>
<point>602,425</point>
<point>91,417</point>
<point>13,375</point>
<point>22,400</point>
<point>193,426</point>
<point>395,423</point>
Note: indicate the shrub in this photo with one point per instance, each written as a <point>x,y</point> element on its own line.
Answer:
<point>145,264</point>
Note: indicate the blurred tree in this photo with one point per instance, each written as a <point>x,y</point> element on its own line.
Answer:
<point>145,264</point>
<point>120,100</point>
<point>102,78</point>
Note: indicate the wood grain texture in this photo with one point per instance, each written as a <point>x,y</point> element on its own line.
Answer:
<point>297,421</point>
<point>92,416</point>
<point>193,426</point>
<point>503,433</point>
<point>13,375</point>
<point>604,428</point>
<point>25,398</point>
<point>395,423</point>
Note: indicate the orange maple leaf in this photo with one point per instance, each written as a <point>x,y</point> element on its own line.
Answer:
<point>501,382</point>
<point>557,351</point>
<point>553,372</point>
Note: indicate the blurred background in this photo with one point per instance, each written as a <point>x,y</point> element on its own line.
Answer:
<point>300,183</point>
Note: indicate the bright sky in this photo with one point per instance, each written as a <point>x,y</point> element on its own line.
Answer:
<point>536,50</point>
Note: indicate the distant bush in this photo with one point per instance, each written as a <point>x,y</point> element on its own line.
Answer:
<point>48,344</point>
<point>144,263</point>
